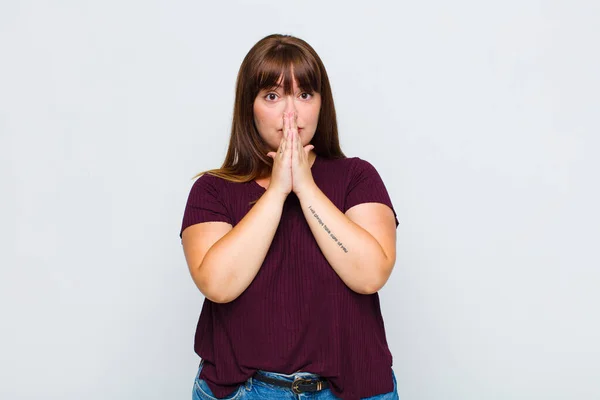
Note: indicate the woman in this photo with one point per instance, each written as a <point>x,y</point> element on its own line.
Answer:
<point>289,242</point>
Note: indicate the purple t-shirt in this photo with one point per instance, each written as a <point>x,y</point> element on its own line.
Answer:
<point>297,314</point>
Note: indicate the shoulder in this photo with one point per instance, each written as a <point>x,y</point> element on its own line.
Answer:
<point>208,184</point>
<point>361,164</point>
<point>364,181</point>
<point>353,162</point>
<point>349,170</point>
<point>359,167</point>
<point>347,164</point>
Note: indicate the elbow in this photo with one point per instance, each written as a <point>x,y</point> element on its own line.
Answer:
<point>217,296</point>
<point>368,286</point>
<point>220,299</point>
<point>370,289</point>
<point>213,291</point>
<point>225,294</point>
<point>378,279</point>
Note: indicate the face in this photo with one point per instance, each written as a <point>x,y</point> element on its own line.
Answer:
<point>270,105</point>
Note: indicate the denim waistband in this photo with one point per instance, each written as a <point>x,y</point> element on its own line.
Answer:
<point>289,377</point>
<point>286,377</point>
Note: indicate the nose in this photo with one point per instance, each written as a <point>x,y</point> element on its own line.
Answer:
<point>290,105</point>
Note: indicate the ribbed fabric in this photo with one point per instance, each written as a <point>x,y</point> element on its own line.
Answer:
<point>297,314</point>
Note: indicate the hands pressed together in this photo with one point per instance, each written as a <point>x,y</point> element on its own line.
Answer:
<point>291,164</point>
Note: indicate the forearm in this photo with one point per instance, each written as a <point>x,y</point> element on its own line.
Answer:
<point>353,253</point>
<point>234,260</point>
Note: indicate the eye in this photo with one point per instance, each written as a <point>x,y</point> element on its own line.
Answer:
<point>308,95</point>
<point>271,96</point>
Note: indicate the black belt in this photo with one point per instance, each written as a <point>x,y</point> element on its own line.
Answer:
<point>299,385</point>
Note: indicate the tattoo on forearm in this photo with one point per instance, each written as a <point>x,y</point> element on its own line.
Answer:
<point>331,235</point>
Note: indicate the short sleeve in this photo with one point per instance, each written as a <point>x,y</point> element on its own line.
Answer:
<point>204,203</point>
<point>366,186</point>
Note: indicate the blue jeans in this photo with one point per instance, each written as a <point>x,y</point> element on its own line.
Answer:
<point>254,389</point>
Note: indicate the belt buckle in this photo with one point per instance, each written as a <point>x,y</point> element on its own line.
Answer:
<point>297,381</point>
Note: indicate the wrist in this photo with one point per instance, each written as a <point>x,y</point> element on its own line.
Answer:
<point>275,196</point>
<point>308,191</point>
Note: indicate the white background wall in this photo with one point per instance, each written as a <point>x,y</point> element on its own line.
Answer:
<point>482,118</point>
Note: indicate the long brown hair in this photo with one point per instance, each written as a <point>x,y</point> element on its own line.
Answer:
<point>269,59</point>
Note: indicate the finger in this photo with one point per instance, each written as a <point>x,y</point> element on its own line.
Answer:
<point>294,121</point>
<point>285,126</point>
<point>300,147</point>
<point>295,155</point>
<point>294,141</point>
<point>281,144</point>
<point>292,128</point>
<point>307,150</point>
<point>290,133</point>
<point>297,143</point>
<point>289,139</point>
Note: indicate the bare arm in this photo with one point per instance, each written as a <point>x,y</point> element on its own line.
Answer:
<point>223,260</point>
<point>360,245</point>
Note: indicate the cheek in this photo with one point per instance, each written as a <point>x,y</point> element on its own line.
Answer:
<point>256,114</point>
<point>316,112</point>
<point>315,116</point>
<point>264,118</point>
